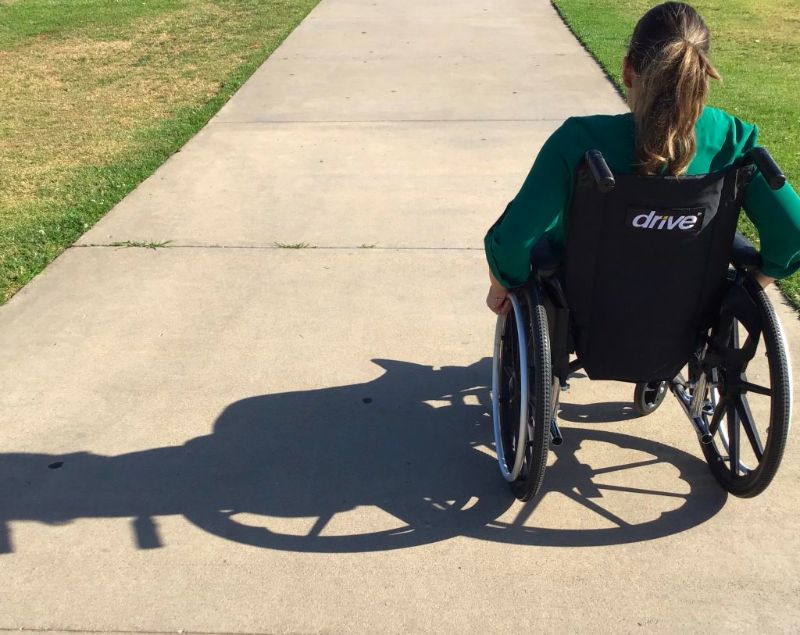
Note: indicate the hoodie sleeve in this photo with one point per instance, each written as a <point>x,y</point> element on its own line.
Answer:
<point>536,208</point>
<point>776,215</point>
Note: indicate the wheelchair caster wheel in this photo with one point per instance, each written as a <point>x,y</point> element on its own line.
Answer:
<point>648,396</point>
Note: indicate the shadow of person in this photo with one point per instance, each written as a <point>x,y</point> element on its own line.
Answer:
<point>405,459</point>
<point>404,444</point>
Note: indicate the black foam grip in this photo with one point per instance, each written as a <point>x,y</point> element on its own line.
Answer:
<point>600,171</point>
<point>768,168</point>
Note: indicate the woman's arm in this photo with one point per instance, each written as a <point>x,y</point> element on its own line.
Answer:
<point>537,207</point>
<point>776,215</point>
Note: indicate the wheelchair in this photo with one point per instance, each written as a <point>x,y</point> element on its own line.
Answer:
<point>655,288</point>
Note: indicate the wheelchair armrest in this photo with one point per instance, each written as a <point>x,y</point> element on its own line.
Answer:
<point>744,255</point>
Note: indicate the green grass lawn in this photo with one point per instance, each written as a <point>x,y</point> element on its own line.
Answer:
<point>96,94</point>
<point>756,47</point>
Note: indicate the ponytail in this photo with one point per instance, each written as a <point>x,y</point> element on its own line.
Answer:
<point>669,52</point>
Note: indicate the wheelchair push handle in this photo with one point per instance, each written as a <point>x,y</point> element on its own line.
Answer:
<point>767,166</point>
<point>600,171</point>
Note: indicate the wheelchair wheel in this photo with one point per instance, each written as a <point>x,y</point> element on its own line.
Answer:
<point>647,396</point>
<point>522,393</point>
<point>749,413</point>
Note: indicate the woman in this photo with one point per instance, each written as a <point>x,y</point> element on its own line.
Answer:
<point>669,131</point>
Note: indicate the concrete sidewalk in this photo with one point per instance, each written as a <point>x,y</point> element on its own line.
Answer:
<point>225,436</point>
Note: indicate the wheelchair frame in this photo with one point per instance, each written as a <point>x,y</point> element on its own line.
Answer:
<point>537,364</point>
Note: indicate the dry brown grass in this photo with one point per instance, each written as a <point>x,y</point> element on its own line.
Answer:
<point>73,102</point>
<point>94,95</point>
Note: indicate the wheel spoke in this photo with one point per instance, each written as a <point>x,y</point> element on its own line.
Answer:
<point>733,438</point>
<point>750,387</point>
<point>719,410</point>
<point>600,511</point>
<point>743,408</point>
<point>637,490</point>
<point>627,466</point>
<point>512,372</point>
<point>319,525</point>
<point>735,334</point>
<point>526,512</point>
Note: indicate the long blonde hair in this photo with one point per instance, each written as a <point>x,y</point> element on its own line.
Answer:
<point>669,53</point>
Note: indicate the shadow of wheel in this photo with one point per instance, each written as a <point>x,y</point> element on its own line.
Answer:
<point>579,482</point>
<point>437,521</point>
<point>587,487</point>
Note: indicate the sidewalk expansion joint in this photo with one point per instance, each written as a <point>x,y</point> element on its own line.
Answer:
<point>381,121</point>
<point>24,629</point>
<point>280,247</point>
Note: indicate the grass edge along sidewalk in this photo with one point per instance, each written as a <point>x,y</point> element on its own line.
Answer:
<point>87,190</point>
<point>753,46</point>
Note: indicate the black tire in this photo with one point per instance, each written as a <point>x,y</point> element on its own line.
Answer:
<point>541,398</point>
<point>744,464</point>
<point>648,396</point>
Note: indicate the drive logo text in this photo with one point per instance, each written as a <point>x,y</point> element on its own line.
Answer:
<point>684,220</point>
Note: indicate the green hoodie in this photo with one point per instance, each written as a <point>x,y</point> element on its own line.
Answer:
<point>546,193</point>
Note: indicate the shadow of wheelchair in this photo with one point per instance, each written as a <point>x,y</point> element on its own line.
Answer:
<point>604,412</point>
<point>619,503</point>
<point>403,460</point>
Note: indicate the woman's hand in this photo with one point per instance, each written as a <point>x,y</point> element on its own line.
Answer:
<point>763,280</point>
<point>497,298</point>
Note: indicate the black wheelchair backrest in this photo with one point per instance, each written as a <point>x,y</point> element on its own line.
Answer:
<point>646,265</point>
